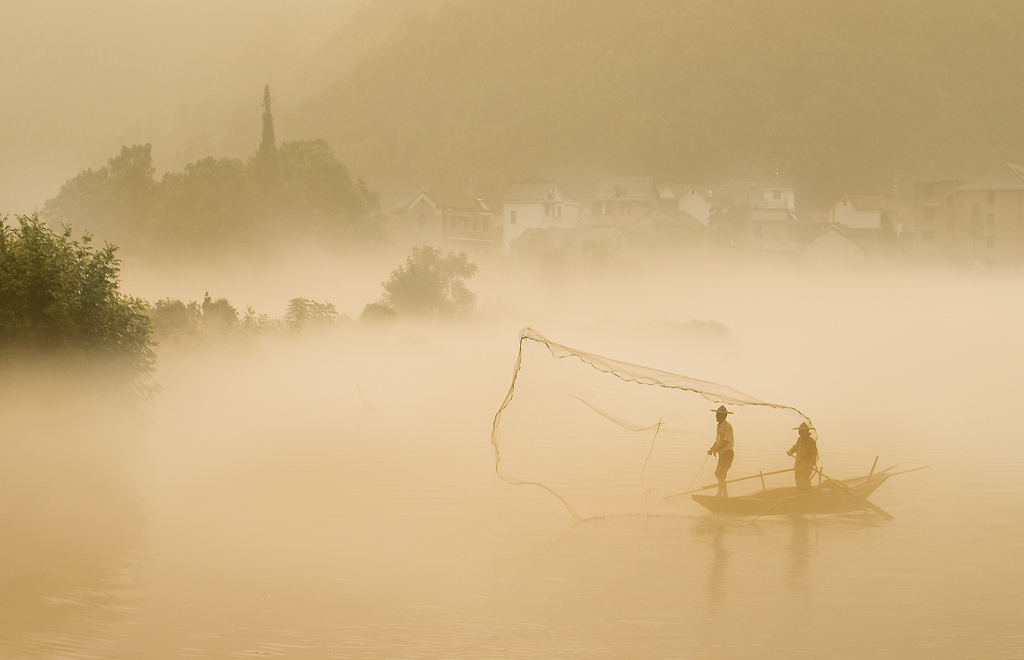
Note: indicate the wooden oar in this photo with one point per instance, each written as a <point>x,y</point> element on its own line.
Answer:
<point>863,500</point>
<point>755,476</point>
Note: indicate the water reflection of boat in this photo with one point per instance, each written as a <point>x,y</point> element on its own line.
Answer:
<point>829,496</point>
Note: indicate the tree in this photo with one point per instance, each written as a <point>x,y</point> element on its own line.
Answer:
<point>303,313</point>
<point>320,195</point>
<point>173,319</point>
<point>114,202</point>
<point>378,313</point>
<point>430,284</point>
<point>212,322</point>
<point>887,238</point>
<point>59,302</point>
<point>268,169</point>
<point>219,317</point>
<point>300,191</point>
<point>206,207</point>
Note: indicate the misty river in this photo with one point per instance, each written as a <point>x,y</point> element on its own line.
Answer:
<point>337,497</point>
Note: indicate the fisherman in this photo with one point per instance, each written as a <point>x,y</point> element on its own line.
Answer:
<point>723,447</point>
<point>805,455</point>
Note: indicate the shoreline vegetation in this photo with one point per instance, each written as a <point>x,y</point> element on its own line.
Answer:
<point>61,307</point>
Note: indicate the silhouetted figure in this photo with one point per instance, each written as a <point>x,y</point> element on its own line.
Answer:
<point>805,453</point>
<point>723,447</point>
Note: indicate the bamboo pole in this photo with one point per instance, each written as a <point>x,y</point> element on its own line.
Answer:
<point>910,470</point>
<point>872,473</point>
<point>753,476</point>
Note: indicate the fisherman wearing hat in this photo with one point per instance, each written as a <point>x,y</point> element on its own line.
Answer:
<point>723,447</point>
<point>805,453</point>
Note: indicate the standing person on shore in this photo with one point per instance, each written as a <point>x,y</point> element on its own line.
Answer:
<point>723,448</point>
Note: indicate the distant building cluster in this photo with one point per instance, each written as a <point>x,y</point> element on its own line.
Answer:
<point>977,222</point>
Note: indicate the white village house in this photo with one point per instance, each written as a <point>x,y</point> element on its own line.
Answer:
<point>693,200</point>
<point>536,205</point>
<point>864,211</point>
<point>453,223</point>
<point>836,246</point>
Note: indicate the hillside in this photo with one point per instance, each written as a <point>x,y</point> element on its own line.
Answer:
<point>834,96</point>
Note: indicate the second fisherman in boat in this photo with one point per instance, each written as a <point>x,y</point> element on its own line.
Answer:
<point>805,455</point>
<point>723,447</point>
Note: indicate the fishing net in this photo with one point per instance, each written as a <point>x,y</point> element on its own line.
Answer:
<point>611,438</point>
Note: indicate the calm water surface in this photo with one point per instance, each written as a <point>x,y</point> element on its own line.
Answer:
<point>379,530</point>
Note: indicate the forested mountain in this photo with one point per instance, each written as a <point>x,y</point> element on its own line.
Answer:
<point>832,95</point>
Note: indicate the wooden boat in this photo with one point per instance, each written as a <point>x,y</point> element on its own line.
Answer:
<point>830,496</point>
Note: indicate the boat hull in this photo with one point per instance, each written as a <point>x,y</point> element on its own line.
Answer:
<point>826,498</point>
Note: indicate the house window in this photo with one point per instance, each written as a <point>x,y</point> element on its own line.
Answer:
<point>604,208</point>
<point>776,194</point>
<point>991,197</point>
<point>512,217</point>
<point>462,223</point>
<point>928,236</point>
<point>990,219</point>
<point>559,211</point>
<point>423,220</point>
<point>625,208</point>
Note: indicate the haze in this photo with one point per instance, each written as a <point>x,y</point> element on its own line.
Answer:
<point>336,218</point>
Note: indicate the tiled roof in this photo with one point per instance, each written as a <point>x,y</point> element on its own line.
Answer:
<point>680,190</point>
<point>454,202</point>
<point>669,212</point>
<point>1004,176</point>
<point>444,200</point>
<point>859,237</point>
<point>536,191</point>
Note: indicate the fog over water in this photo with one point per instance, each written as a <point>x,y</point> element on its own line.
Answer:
<point>814,203</point>
<point>336,496</point>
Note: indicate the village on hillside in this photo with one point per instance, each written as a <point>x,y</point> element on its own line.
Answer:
<point>949,222</point>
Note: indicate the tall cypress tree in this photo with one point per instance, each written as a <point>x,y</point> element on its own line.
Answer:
<point>268,169</point>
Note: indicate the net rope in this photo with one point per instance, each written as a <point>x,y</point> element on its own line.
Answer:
<point>584,422</point>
